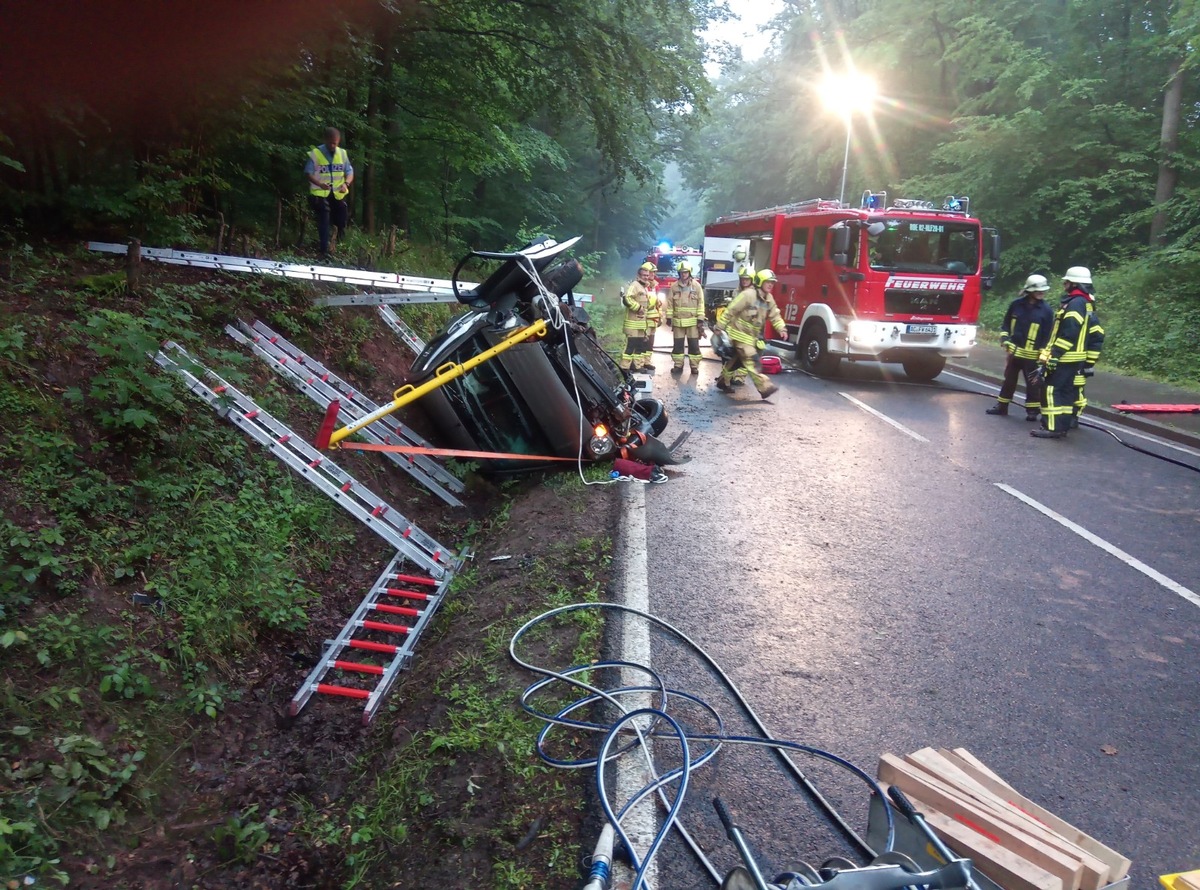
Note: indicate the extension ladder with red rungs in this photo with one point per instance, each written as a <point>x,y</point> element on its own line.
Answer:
<point>377,642</point>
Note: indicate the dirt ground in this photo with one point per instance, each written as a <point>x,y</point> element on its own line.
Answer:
<point>324,760</point>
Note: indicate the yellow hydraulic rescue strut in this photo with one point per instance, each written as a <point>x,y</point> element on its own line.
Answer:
<point>410,393</point>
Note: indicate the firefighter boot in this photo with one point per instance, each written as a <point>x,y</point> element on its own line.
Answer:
<point>677,369</point>
<point>1044,433</point>
<point>723,384</point>
<point>998,410</point>
<point>1033,416</point>
<point>769,390</point>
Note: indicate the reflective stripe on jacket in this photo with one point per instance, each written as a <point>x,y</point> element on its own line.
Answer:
<point>330,172</point>
<point>1027,324</point>
<point>637,301</point>
<point>746,317</point>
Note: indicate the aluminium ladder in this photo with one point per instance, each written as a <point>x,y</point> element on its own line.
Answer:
<point>406,334</point>
<point>369,640</point>
<point>361,632</point>
<point>408,289</point>
<point>324,387</point>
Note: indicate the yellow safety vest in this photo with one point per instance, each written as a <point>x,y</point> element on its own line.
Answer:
<point>333,172</point>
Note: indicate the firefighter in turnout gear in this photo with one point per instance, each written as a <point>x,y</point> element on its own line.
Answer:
<point>745,320</point>
<point>685,318</point>
<point>745,280</point>
<point>637,302</point>
<point>1065,359</point>
<point>1025,333</point>
<point>1092,347</point>
<point>654,315</point>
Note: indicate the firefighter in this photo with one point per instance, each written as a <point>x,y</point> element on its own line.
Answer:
<point>745,320</point>
<point>637,302</point>
<point>1092,346</point>
<point>1065,359</point>
<point>654,315</point>
<point>1024,334</point>
<point>685,318</point>
<point>745,280</point>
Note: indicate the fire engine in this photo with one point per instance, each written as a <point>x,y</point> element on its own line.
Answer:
<point>666,259</point>
<point>889,283</point>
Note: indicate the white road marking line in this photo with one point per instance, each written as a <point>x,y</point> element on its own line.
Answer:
<point>640,823</point>
<point>1152,574</point>
<point>884,417</point>
<point>1093,418</point>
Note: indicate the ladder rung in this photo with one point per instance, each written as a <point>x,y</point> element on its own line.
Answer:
<point>384,626</point>
<point>329,689</point>
<point>358,666</point>
<point>372,646</point>
<point>397,610</point>
<point>407,594</point>
<point>416,579</point>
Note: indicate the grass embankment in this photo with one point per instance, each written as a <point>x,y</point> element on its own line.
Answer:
<point>150,566</point>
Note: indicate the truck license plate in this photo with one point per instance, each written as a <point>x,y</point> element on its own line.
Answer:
<point>921,329</point>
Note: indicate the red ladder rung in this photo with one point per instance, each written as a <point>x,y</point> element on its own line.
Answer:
<point>398,610</point>
<point>416,579</point>
<point>358,666</point>
<point>408,594</point>
<point>384,626</point>
<point>329,689</point>
<point>372,646</point>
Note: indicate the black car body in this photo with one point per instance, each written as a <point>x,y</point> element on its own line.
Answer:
<point>560,395</point>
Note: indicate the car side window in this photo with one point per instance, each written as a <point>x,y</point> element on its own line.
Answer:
<point>820,236</point>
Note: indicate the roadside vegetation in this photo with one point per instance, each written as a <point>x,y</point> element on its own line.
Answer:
<point>158,567</point>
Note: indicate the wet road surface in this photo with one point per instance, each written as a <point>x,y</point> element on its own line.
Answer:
<point>845,553</point>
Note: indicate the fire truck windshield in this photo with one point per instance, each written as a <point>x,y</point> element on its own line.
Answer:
<point>666,265</point>
<point>927,245</point>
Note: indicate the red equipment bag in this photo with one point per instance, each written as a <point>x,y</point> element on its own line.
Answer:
<point>771,364</point>
<point>634,468</point>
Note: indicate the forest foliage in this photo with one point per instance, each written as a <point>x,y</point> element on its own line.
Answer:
<point>1072,125</point>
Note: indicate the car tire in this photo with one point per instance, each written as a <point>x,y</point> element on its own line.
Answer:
<point>654,413</point>
<point>924,367</point>
<point>812,350</point>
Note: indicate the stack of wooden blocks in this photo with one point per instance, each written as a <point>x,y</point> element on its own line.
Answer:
<point>1012,841</point>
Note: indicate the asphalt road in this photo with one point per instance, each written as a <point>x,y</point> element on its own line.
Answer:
<point>846,553</point>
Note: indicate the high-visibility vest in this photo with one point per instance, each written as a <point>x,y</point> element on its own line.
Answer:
<point>330,172</point>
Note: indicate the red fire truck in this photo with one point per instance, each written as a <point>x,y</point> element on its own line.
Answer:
<point>666,259</point>
<point>890,283</point>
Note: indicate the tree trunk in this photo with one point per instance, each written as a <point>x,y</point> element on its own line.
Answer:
<point>1168,176</point>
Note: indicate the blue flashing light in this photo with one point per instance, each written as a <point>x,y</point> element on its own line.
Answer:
<point>664,246</point>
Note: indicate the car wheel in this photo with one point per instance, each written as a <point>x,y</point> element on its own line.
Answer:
<point>654,413</point>
<point>812,350</point>
<point>924,367</point>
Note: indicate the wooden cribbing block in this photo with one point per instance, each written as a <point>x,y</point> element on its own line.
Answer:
<point>1095,872</point>
<point>999,863</point>
<point>1118,865</point>
<point>926,790</point>
<point>1188,880</point>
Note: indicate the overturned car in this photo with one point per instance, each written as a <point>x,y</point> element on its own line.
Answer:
<point>558,395</point>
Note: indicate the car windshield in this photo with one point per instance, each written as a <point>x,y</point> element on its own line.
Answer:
<point>902,245</point>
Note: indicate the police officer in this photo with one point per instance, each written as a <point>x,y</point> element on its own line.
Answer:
<point>1024,334</point>
<point>637,301</point>
<point>1065,358</point>
<point>745,320</point>
<point>329,175</point>
<point>685,318</point>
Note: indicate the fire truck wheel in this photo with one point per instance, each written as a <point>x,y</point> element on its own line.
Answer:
<point>924,367</point>
<point>812,350</point>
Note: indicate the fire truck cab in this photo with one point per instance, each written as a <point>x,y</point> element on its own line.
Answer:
<point>889,283</point>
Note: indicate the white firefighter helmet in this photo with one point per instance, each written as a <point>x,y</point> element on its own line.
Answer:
<point>721,345</point>
<point>1036,283</point>
<point>1078,275</point>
